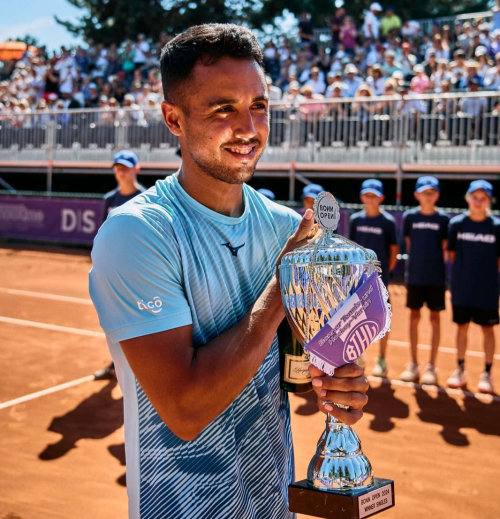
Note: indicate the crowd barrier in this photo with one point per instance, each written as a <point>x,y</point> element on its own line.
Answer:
<point>456,132</point>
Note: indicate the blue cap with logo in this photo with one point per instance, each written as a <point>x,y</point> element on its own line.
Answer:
<point>267,193</point>
<point>311,191</point>
<point>372,185</point>
<point>428,182</point>
<point>484,185</point>
<point>127,158</point>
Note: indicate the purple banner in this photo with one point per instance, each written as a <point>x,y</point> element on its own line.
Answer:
<point>352,329</point>
<point>65,220</point>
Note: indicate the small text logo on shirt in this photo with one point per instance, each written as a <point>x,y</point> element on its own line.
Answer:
<point>370,230</point>
<point>155,305</point>
<point>426,225</point>
<point>471,236</point>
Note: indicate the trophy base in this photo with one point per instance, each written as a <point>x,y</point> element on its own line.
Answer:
<point>348,504</point>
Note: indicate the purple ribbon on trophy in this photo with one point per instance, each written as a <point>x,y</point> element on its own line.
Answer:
<point>361,320</point>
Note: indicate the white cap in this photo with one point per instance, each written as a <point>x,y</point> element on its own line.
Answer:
<point>375,6</point>
<point>351,69</point>
<point>418,69</point>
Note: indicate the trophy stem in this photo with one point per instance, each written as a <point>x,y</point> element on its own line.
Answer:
<point>339,462</point>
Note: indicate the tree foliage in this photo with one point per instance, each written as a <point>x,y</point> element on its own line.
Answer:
<point>113,21</point>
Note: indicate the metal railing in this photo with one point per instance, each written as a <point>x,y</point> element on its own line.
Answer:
<point>323,35</point>
<point>341,134</point>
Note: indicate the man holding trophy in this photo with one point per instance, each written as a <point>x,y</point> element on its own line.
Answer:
<point>185,283</point>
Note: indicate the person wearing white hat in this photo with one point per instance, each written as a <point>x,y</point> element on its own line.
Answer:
<point>371,26</point>
<point>492,76</point>
<point>352,80</point>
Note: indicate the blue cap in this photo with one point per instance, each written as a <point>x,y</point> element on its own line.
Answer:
<point>127,158</point>
<point>311,191</point>
<point>372,185</point>
<point>267,193</point>
<point>424,183</point>
<point>481,184</point>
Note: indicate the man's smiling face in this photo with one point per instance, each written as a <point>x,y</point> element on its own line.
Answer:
<point>224,120</point>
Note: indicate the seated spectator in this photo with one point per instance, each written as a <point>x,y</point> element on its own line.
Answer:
<point>494,46</point>
<point>410,29</point>
<point>458,63</point>
<point>292,97</point>
<point>313,111</point>
<point>492,76</point>
<point>377,80</point>
<point>442,74</point>
<point>390,65</point>
<point>483,61</point>
<point>407,59</point>
<point>474,106</point>
<point>316,82</point>
<point>431,63</point>
<point>464,41</point>
<point>274,91</point>
<point>472,73</point>
<point>352,80</point>
<point>420,83</point>
<point>365,108</point>
<point>437,46</point>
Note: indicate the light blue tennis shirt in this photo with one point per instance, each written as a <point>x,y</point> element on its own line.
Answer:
<point>162,261</point>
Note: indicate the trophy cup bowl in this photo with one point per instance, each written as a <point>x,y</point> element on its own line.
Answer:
<point>316,280</point>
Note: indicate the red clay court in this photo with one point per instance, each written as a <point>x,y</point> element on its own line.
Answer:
<point>61,432</point>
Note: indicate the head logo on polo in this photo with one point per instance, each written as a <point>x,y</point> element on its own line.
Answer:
<point>155,306</point>
<point>359,339</point>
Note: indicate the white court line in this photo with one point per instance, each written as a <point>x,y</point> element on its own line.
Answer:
<point>48,391</point>
<point>54,327</point>
<point>443,349</point>
<point>455,392</point>
<point>44,295</point>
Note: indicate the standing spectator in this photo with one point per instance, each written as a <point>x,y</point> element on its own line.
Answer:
<point>140,51</point>
<point>336,25</point>
<point>464,41</point>
<point>425,231</point>
<point>271,60</point>
<point>348,35</point>
<point>127,59</point>
<point>306,31</point>
<point>390,23</point>
<point>376,230</point>
<point>474,250</point>
<point>371,25</point>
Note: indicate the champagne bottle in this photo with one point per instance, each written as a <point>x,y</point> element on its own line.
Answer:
<point>294,373</point>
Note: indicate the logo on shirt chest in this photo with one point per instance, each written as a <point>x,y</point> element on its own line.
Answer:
<point>471,236</point>
<point>370,230</point>
<point>426,225</point>
<point>234,250</point>
<point>155,306</point>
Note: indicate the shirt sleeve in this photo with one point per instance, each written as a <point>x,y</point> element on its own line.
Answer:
<point>406,225</point>
<point>452,236</point>
<point>352,228</point>
<point>393,238</point>
<point>444,227</point>
<point>136,279</point>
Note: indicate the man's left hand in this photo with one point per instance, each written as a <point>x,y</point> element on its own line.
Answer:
<point>348,387</point>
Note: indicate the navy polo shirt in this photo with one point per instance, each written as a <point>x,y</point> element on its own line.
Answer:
<point>377,233</point>
<point>425,265</point>
<point>115,199</point>
<point>474,279</point>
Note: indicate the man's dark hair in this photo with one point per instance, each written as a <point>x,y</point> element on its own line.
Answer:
<point>206,44</point>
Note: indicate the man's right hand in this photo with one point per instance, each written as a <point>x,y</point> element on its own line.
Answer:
<point>305,233</point>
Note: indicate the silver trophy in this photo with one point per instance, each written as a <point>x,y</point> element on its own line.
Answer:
<point>316,280</point>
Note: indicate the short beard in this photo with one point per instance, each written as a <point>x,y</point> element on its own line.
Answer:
<point>223,173</point>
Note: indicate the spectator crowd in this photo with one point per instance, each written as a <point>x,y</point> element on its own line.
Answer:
<point>383,55</point>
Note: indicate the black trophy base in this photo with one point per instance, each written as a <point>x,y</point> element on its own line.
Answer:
<point>332,504</point>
